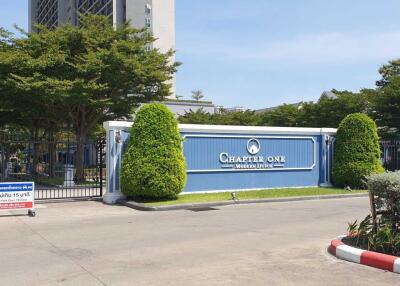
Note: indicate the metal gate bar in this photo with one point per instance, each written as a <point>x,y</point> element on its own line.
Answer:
<point>55,167</point>
<point>391,154</point>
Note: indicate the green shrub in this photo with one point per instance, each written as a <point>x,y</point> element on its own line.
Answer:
<point>357,152</point>
<point>379,231</point>
<point>153,166</point>
<point>383,239</point>
<point>386,196</point>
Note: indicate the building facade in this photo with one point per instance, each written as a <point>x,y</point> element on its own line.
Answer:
<point>156,15</point>
<point>181,107</point>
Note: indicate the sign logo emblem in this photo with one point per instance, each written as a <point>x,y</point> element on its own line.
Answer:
<point>253,146</point>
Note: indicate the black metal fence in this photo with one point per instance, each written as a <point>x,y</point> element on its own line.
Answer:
<point>391,154</point>
<point>60,169</point>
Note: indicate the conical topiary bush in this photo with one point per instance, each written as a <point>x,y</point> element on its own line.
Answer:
<point>153,166</point>
<point>357,151</point>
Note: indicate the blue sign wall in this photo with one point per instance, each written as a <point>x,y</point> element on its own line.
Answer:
<point>244,161</point>
<point>227,158</point>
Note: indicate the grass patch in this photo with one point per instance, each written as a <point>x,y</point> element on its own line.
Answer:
<point>55,181</point>
<point>248,195</point>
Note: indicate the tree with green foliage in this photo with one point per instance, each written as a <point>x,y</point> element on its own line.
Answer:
<point>240,118</point>
<point>330,111</point>
<point>385,100</point>
<point>195,117</point>
<point>245,118</point>
<point>386,108</point>
<point>153,166</point>
<point>91,73</point>
<point>326,112</point>
<point>357,151</point>
<point>388,71</point>
<point>197,95</point>
<point>30,105</point>
<point>27,109</point>
<point>286,115</point>
<point>6,111</point>
<point>307,115</point>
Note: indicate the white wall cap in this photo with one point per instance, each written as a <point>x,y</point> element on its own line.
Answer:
<point>254,129</point>
<point>198,128</point>
<point>117,125</point>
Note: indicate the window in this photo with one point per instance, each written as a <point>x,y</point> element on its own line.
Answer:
<point>148,23</point>
<point>147,9</point>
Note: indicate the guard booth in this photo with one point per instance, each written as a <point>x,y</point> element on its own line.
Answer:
<point>238,158</point>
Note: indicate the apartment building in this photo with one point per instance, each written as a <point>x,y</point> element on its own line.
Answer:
<point>156,15</point>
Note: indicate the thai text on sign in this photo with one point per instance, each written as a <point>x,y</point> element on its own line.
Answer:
<point>17,196</point>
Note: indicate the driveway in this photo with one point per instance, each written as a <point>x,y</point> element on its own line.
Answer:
<point>88,243</point>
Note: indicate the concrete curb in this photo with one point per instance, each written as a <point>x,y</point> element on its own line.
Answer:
<point>364,257</point>
<point>68,200</point>
<point>143,207</point>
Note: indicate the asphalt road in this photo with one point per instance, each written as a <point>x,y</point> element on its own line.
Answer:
<point>88,243</point>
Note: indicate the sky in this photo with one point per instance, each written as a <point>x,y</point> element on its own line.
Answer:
<point>263,53</point>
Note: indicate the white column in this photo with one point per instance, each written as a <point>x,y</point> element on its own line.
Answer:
<point>117,139</point>
<point>69,175</point>
<point>326,160</point>
<point>32,12</point>
<point>118,13</point>
<point>115,20</point>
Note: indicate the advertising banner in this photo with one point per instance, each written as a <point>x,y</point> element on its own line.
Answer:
<point>17,196</point>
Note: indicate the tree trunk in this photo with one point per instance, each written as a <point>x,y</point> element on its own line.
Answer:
<point>52,155</point>
<point>35,152</point>
<point>79,158</point>
<point>83,126</point>
<point>373,212</point>
<point>6,159</point>
<point>3,162</point>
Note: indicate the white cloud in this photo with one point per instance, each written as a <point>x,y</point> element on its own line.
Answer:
<point>328,48</point>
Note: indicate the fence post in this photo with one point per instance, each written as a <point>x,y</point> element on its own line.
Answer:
<point>3,163</point>
<point>100,158</point>
<point>117,136</point>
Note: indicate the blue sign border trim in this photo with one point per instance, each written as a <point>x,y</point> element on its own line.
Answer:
<point>16,187</point>
<point>257,137</point>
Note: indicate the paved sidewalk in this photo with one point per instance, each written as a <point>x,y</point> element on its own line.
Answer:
<point>88,243</point>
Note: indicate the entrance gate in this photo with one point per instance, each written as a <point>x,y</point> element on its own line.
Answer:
<point>391,154</point>
<point>60,169</point>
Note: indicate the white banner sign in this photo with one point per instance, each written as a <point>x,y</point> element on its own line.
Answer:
<point>17,196</point>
